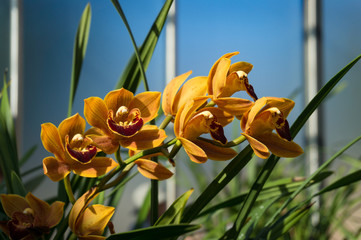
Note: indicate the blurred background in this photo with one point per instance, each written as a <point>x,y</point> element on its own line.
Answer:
<point>270,35</point>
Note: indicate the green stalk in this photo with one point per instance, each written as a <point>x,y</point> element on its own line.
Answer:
<point>68,189</point>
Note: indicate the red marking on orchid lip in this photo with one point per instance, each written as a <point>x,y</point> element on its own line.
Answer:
<point>250,91</point>
<point>83,156</point>
<point>126,130</point>
<point>284,130</point>
<point>217,132</point>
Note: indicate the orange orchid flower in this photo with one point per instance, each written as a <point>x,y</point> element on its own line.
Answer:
<point>120,119</point>
<point>174,96</point>
<point>189,124</point>
<point>89,222</point>
<point>73,151</point>
<point>225,79</point>
<point>268,114</point>
<point>31,217</point>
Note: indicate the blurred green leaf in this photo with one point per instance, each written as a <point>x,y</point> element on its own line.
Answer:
<point>283,226</point>
<point>80,46</point>
<point>9,161</point>
<point>143,211</point>
<point>158,232</point>
<point>28,154</point>
<point>173,213</point>
<point>34,182</point>
<point>17,185</point>
<point>132,74</point>
<point>345,181</point>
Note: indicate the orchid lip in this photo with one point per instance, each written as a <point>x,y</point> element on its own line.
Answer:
<point>217,132</point>
<point>85,155</point>
<point>284,130</point>
<point>126,130</point>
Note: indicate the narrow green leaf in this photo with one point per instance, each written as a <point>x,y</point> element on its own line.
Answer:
<point>345,181</point>
<point>222,179</point>
<point>28,154</point>
<point>17,185</point>
<point>80,46</point>
<point>156,232</point>
<point>132,74</point>
<point>287,223</point>
<point>173,213</point>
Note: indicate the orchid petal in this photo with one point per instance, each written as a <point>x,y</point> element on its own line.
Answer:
<point>13,203</point>
<point>147,103</point>
<point>258,105</point>
<point>153,170</point>
<point>283,104</point>
<point>281,147</point>
<point>220,76</point>
<point>241,66</point>
<point>94,220</point>
<point>106,143</point>
<point>71,126</point>
<point>97,167</point>
<point>170,92</point>
<point>222,117</point>
<point>51,140</point>
<point>117,98</point>
<point>258,147</point>
<point>40,208</point>
<point>235,106</point>
<point>213,70</point>
<point>194,87</point>
<point>195,153</point>
<point>55,214</point>
<point>79,207</point>
<point>215,152</point>
<point>54,169</point>
<point>149,137</point>
<point>96,113</point>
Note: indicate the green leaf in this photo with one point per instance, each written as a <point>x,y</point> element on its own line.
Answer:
<point>17,185</point>
<point>80,46</point>
<point>173,213</point>
<point>282,187</point>
<point>282,227</point>
<point>9,161</point>
<point>132,74</point>
<point>143,211</point>
<point>158,232</point>
<point>345,181</point>
<point>28,154</point>
<point>222,179</point>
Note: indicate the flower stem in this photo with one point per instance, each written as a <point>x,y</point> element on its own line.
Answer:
<point>233,143</point>
<point>68,189</point>
<point>165,122</point>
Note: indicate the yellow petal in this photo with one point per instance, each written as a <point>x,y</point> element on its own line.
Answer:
<point>13,203</point>
<point>281,147</point>
<point>283,104</point>
<point>235,106</point>
<point>147,103</point>
<point>153,170</point>
<point>171,90</point>
<point>71,126</point>
<point>215,152</point>
<point>258,147</point>
<point>79,206</point>
<point>220,76</point>
<point>55,213</point>
<point>149,137</point>
<point>195,153</point>
<point>214,69</point>
<point>94,219</point>
<point>95,168</point>
<point>258,105</point>
<point>96,113</point>
<point>50,138</point>
<point>107,143</point>
<point>222,117</point>
<point>241,66</point>
<point>194,87</point>
<point>117,98</point>
<point>54,169</point>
